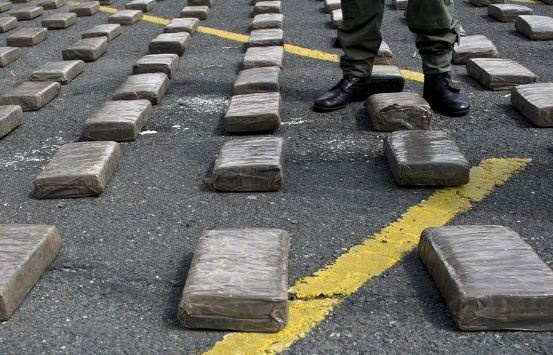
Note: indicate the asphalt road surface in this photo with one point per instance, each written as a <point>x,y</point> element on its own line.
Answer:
<point>116,284</point>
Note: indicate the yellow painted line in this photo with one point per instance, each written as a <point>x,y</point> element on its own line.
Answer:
<point>318,294</point>
<point>533,2</point>
<point>289,48</point>
<point>304,315</point>
<point>237,37</point>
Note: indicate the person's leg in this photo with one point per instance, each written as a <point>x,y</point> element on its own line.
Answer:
<point>437,31</point>
<point>360,39</point>
<point>359,35</point>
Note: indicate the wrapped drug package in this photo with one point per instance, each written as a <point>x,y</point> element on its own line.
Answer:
<point>490,278</point>
<point>238,280</point>
<point>425,158</point>
<point>250,164</point>
<point>78,170</point>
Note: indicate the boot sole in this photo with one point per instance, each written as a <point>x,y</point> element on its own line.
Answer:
<point>454,113</point>
<point>327,109</point>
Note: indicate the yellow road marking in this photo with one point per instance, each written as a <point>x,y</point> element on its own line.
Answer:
<point>289,48</point>
<point>318,294</point>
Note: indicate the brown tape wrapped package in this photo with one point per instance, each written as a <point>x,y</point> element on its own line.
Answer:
<point>238,280</point>
<point>78,170</point>
<point>427,158</point>
<point>251,164</point>
<point>489,277</point>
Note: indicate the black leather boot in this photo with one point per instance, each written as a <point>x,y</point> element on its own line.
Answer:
<point>350,88</point>
<point>443,96</point>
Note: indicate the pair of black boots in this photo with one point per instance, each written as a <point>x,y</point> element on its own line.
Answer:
<point>442,95</point>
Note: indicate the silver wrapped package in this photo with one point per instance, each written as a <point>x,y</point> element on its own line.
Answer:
<point>535,102</point>
<point>537,28</point>
<point>476,46</point>
<point>110,31</point>
<point>255,80</point>
<point>31,95</point>
<point>251,164</point>
<point>266,37</point>
<point>62,71</point>
<point>256,57</point>
<point>499,74</point>
<point>425,158</point>
<point>238,280</point>
<point>150,86</point>
<point>399,111</point>
<point>489,277</point>
<point>126,17</point>
<point>9,55</point>
<point>11,116</point>
<point>385,55</point>
<point>26,250</point>
<point>118,121</point>
<point>268,21</point>
<point>86,49</point>
<point>78,170</point>
<point>508,12</point>
<point>385,78</point>
<point>258,112</point>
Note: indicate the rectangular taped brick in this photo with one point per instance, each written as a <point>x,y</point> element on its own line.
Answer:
<point>110,31</point>
<point>78,170</point>
<point>256,57</point>
<point>263,21</point>
<point>399,4</point>
<point>59,21</point>
<point>258,112</point>
<point>337,18</point>
<point>425,158</point>
<point>118,121</point>
<point>238,280</point>
<point>508,12</point>
<point>86,49</point>
<point>256,80</point>
<point>476,46</point>
<point>126,17</point>
<point>267,7</point>
<point>537,28</point>
<point>490,278</point>
<point>52,4</point>
<point>27,13</point>
<point>9,55</point>
<point>251,164</point>
<point>7,23</point>
<point>11,116</point>
<point>189,25</point>
<point>157,63</point>
<point>5,6</point>
<point>385,78</point>
<point>399,111</point>
<point>63,71</point>
<point>199,12</point>
<point>175,43</point>
<point>151,86</point>
<point>26,251</point>
<point>384,56</point>
<point>266,37</point>
<point>26,37</point>
<point>142,5</point>
<point>535,102</point>
<point>499,74</point>
<point>88,8</point>
<point>31,95</point>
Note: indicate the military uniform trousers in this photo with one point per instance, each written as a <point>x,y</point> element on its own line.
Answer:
<point>431,20</point>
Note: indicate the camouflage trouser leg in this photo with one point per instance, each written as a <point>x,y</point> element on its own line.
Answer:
<point>431,20</point>
<point>359,35</point>
<point>436,29</point>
